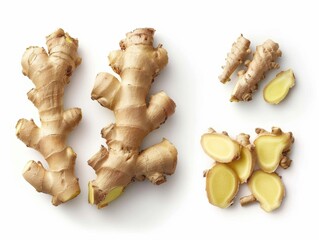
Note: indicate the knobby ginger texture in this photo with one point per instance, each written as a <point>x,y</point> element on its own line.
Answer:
<point>137,63</point>
<point>264,60</point>
<point>50,72</point>
<point>239,51</point>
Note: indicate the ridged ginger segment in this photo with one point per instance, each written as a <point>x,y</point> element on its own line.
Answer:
<point>239,51</point>
<point>278,88</point>
<point>50,72</point>
<point>220,146</point>
<point>264,60</point>
<point>272,149</point>
<point>222,185</point>
<point>267,189</point>
<point>244,166</point>
<point>137,63</point>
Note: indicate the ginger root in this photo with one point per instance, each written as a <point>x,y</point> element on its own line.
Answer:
<point>239,51</point>
<point>272,149</point>
<point>278,88</point>
<point>50,72</point>
<point>222,185</point>
<point>244,166</point>
<point>220,146</point>
<point>267,189</point>
<point>137,63</point>
<point>263,61</point>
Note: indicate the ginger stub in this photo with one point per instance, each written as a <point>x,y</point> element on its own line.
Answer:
<point>264,60</point>
<point>50,72</point>
<point>137,63</point>
<point>239,51</point>
<point>278,88</point>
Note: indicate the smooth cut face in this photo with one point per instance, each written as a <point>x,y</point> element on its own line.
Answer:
<point>220,147</point>
<point>268,189</point>
<point>269,150</point>
<point>277,89</point>
<point>221,185</point>
<point>244,165</point>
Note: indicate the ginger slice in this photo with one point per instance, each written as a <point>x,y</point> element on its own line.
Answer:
<point>278,88</point>
<point>222,185</point>
<point>220,146</point>
<point>267,189</point>
<point>272,149</point>
<point>244,166</point>
<point>240,49</point>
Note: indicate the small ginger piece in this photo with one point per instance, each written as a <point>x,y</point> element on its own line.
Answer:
<point>240,49</point>
<point>137,63</point>
<point>263,61</point>
<point>222,185</point>
<point>244,166</point>
<point>267,189</point>
<point>220,146</point>
<point>50,73</point>
<point>272,149</point>
<point>278,88</point>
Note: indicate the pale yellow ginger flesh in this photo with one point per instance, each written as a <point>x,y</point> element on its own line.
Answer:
<point>272,149</point>
<point>267,189</point>
<point>220,146</point>
<point>244,166</point>
<point>264,60</point>
<point>137,63</point>
<point>278,88</point>
<point>222,185</point>
<point>239,51</point>
<point>50,73</point>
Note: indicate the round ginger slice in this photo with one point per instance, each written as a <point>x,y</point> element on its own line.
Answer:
<point>220,147</point>
<point>222,185</point>
<point>268,189</point>
<point>278,88</point>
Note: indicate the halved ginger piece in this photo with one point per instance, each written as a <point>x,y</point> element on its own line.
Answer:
<point>272,149</point>
<point>220,146</point>
<point>244,166</point>
<point>267,189</point>
<point>222,185</point>
<point>277,89</point>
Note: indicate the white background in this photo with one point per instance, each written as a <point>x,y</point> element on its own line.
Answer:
<point>197,36</point>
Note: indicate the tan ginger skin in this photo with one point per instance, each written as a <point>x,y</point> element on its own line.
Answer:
<point>137,63</point>
<point>263,61</point>
<point>239,51</point>
<point>50,73</point>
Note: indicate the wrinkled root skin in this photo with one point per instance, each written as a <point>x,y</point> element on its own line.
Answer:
<point>137,63</point>
<point>264,60</point>
<point>50,73</point>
